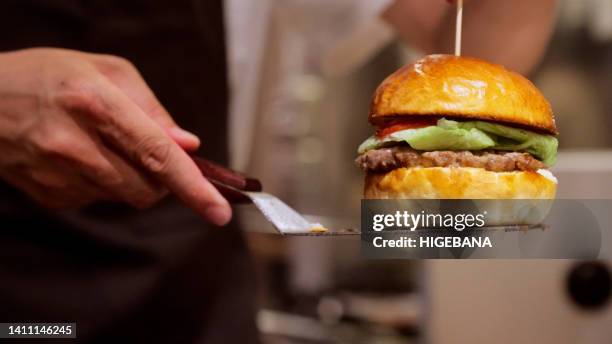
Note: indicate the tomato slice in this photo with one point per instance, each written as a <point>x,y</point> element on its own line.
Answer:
<point>403,124</point>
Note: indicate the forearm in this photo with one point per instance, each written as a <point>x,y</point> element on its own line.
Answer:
<point>513,33</point>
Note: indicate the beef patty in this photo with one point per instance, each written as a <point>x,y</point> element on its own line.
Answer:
<point>387,159</point>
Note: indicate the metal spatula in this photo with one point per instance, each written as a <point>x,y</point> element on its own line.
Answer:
<point>238,188</point>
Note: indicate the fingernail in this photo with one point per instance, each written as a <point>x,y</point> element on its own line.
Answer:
<point>218,214</point>
<point>183,134</point>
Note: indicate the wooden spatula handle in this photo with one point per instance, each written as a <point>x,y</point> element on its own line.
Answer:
<point>231,195</point>
<point>214,171</point>
<point>221,176</point>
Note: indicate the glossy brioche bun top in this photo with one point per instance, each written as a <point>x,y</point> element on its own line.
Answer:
<point>462,87</point>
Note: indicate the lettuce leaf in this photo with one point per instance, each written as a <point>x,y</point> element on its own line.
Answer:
<point>472,135</point>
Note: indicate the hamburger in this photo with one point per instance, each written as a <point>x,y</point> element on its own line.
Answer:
<point>450,127</point>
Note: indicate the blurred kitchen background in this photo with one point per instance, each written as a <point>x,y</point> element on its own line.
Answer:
<point>309,97</point>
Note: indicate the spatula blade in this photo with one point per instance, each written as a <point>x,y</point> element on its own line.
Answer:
<point>283,217</point>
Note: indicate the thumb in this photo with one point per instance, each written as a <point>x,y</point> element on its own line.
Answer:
<point>153,108</point>
<point>149,103</point>
<point>185,139</point>
<point>126,77</point>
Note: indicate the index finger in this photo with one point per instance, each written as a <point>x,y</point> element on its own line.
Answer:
<point>145,143</point>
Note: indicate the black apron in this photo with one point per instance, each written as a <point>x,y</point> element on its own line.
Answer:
<point>156,276</point>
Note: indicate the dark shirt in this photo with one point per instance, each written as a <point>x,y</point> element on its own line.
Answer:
<point>156,276</point>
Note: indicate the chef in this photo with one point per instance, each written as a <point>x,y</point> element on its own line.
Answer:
<point>105,220</point>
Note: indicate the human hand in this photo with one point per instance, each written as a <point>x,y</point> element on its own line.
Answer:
<point>76,128</point>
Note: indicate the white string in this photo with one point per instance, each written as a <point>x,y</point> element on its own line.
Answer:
<point>458,24</point>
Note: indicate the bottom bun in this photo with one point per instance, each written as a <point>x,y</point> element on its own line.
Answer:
<point>524,189</point>
<point>458,183</point>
